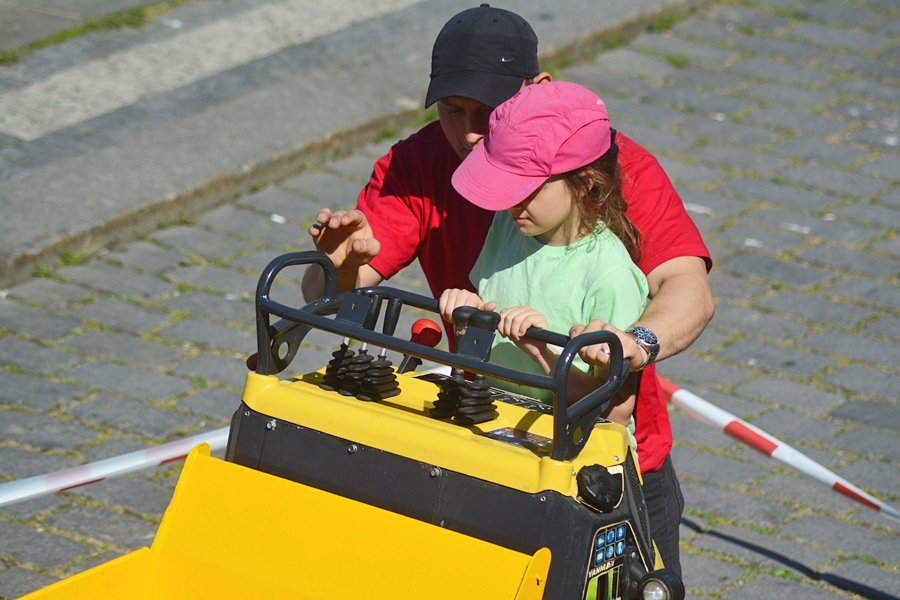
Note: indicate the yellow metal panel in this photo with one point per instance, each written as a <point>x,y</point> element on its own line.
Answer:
<point>122,577</point>
<point>232,532</point>
<point>396,425</point>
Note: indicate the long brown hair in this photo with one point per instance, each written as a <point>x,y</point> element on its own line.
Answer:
<point>598,189</point>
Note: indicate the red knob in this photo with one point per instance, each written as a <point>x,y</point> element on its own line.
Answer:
<point>426,332</point>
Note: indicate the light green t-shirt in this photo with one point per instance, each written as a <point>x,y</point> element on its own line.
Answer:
<point>594,278</point>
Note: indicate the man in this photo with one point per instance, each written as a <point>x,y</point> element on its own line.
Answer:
<point>410,210</point>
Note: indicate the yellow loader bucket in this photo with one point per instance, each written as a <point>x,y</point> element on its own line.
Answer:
<point>234,532</point>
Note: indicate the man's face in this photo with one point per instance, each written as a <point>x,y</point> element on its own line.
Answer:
<point>464,121</point>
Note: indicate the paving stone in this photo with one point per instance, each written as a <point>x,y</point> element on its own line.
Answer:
<point>211,277</point>
<point>223,370</point>
<point>791,427</point>
<point>211,335</point>
<point>128,380</point>
<point>29,509</point>
<point>631,62</point>
<point>606,83</point>
<point>867,381</point>
<point>324,187</point>
<point>887,327</point>
<point>40,394</point>
<point>694,52</point>
<point>790,95</point>
<point>21,319</point>
<point>789,394</point>
<point>121,315</point>
<point>816,149</point>
<point>113,447</point>
<point>858,347</point>
<point>656,139</point>
<point>739,158</point>
<point>765,550</point>
<point>191,241</point>
<point>837,181</point>
<point>871,581</point>
<point>132,494</point>
<point>117,280</point>
<point>689,431</point>
<point>356,167</point>
<point>834,37</point>
<point>16,582</point>
<point>748,17</point>
<point>42,549</point>
<point>826,227</point>
<point>49,294</point>
<point>884,166</point>
<point>741,507</point>
<point>291,205</point>
<point>867,89</point>
<point>880,478</point>
<point>768,586</point>
<point>145,256</point>
<point>107,527</point>
<point>748,235</point>
<point>870,442</point>
<point>18,463</point>
<point>870,413</point>
<point>816,308</point>
<point>703,575</point>
<point>866,291</point>
<point>119,346</point>
<point>840,14</point>
<point>800,490</point>
<point>207,306</point>
<point>133,417</point>
<point>708,103</point>
<point>767,68</point>
<point>33,357</point>
<point>788,273</point>
<point>727,288</point>
<point>693,371</point>
<point>684,174</point>
<point>42,431</point>
<point>867,212</point>
<point>848,539</point>
<point>799,122</point>
<point>212,402</point>
<point>626,112</point>
<point>253,226</point>
<point>759,323</point>
<point>727,133</point>
<point>715,468</point>
<point>779,194</point>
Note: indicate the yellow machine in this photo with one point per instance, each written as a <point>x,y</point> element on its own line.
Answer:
<point>365,479</point>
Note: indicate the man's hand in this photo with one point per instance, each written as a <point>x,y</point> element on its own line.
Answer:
<point>598,354</point>
<point>346,238</point>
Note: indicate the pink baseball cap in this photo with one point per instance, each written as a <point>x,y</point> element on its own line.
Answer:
<point>545,129</point>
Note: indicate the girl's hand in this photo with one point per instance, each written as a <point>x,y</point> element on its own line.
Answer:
<point>451,299</point>
<point>515,321</point>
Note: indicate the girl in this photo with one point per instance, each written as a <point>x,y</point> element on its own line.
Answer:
<point>560,250</point>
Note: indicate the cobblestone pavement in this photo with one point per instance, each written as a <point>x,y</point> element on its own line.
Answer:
<point>777,119</point>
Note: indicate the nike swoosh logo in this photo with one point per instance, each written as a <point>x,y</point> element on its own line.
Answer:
<point>503,59</point>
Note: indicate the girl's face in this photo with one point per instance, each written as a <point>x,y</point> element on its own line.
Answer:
<point>549,214</point>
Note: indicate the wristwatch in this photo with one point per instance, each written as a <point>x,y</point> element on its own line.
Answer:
<point>647,340</point>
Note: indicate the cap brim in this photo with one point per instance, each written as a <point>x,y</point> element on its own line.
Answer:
<point>488,88</point>
<point>489,187</point>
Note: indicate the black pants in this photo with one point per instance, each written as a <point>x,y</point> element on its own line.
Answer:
<point>664,506</point>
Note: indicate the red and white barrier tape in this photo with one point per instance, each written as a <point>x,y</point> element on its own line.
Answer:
<point>761,441</point>
<point>42,485</point>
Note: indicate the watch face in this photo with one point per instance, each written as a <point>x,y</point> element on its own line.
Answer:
<point>645,335</point>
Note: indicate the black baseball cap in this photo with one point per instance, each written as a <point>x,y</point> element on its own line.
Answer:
<point>482,53</point>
